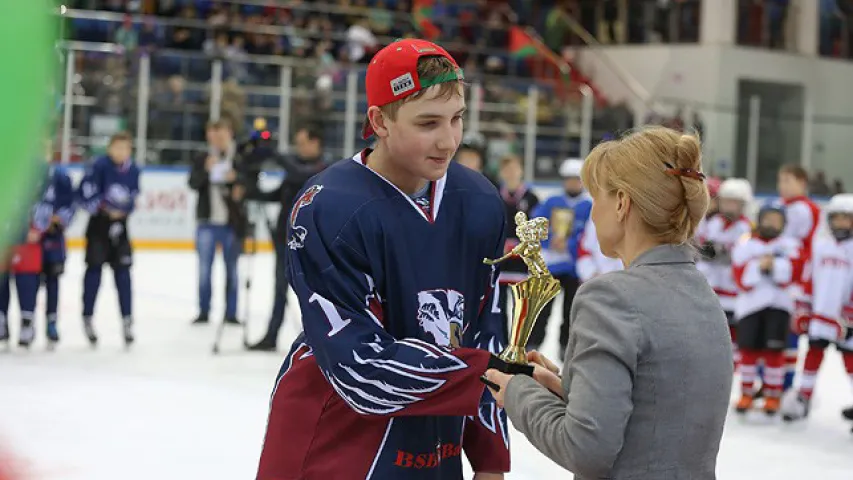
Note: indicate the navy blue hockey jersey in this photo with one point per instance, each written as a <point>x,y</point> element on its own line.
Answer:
<point>57,200</point>
<point>399,315</point>
<point>108,186</point>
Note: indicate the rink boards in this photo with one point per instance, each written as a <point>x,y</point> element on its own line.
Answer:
<point>165,213</point>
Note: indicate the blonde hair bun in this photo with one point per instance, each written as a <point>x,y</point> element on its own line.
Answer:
<point>660,170</point>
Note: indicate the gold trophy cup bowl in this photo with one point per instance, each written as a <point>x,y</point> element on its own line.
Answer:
<point>529,297</point>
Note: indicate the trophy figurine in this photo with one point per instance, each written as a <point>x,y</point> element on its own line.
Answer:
<point>530,296</point>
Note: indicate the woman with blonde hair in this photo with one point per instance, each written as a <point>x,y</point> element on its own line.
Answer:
<point>648,369</point>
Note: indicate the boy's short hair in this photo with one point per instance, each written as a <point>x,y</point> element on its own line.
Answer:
<point>120,137</point>
<point>510,159</point>
<point>795,171</point>
<point>401,71</point>
<point>219,125</point>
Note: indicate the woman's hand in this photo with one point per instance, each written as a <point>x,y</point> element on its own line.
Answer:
<point>549,380</point>
<point>546,372</point>
<point>539,359</point>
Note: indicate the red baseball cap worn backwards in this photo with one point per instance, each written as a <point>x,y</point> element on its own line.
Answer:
<point>393,74</point>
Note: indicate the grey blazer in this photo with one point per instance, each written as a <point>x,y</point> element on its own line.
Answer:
<point>648,374</point>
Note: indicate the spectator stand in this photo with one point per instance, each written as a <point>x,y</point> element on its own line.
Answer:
<point>302,82</point>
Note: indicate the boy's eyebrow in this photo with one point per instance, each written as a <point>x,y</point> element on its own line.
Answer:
<point>435,115</point>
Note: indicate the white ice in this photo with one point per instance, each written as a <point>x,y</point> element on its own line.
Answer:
<point>170,409</point>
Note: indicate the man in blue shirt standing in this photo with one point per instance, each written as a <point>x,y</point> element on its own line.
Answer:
<point>568,214</point>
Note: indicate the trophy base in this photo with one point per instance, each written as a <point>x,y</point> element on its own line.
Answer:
<point>514,355</point>
<point>501,365</point>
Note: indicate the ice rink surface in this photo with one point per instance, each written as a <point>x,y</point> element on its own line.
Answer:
<point>169,409</point>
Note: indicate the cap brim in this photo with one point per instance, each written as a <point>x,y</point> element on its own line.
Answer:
<point>366,129</point>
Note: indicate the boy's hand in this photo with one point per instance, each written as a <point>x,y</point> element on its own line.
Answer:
<point>237,192</point>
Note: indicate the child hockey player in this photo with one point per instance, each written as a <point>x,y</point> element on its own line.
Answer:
<point>108,192</point>
<point>764,267</point>
<point>385,254</point>
<point>802,219</point>
<point>51,217</point>
<point>722,232</point>
<point>591,261</point>
<point>517,197</point>
<point>832,289</point>
<point>42,253</point>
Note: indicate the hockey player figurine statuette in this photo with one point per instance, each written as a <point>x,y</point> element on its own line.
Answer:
<point>530,296</point>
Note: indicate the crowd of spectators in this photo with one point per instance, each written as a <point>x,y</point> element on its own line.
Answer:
<point>334,35</point>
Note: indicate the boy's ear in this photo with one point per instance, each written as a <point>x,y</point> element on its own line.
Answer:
<point>377,121</point>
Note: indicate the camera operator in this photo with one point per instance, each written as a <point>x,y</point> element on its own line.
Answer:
<point>299,168</point>
<point>221,178</point>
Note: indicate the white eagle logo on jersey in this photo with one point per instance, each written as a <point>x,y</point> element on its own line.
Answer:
<point>441,314</point>
<point>298,232</point>
<point>118,195</point>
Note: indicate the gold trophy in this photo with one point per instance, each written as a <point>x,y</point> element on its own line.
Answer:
<point>530,296</point>
<point>562,220</point>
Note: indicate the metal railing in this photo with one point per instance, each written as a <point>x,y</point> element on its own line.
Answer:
<point>165,97</point>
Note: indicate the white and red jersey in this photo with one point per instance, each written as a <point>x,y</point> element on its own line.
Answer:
<point>591,262</point>
<point>756,290</point>
<point>702,228</point>
<point>724,234</point>
<point>802,219</point>
<point>832,288</point>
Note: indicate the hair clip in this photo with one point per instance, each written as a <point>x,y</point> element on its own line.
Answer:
<point>684,172</point>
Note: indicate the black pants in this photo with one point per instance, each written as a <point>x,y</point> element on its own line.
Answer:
<point>280,301</point>
<point>766,329</point>
<point>537,337</point>
<point>107,241</point>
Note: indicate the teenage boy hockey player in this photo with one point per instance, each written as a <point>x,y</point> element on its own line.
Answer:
<point>108,192</point>
<point>764,267</point>
<point>385,253</point>
<point>832,290</point>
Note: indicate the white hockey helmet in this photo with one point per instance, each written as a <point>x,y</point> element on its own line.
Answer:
<point>571,167</point>
<point>841,203</point>
<point>736,189</point>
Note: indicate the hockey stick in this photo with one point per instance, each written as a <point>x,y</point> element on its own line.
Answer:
<point>253,249</point>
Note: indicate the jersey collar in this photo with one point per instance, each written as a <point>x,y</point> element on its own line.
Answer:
<point>437,188</point>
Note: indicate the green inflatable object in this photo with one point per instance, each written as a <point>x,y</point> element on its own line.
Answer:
<point>26,73</point>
